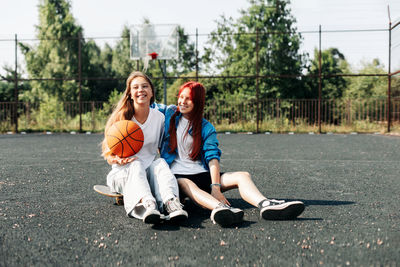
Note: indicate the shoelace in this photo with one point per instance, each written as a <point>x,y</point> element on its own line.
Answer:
<point>173,204</point>
<point>223,205</point>
<point>276,202</point>
<point>272,202</point>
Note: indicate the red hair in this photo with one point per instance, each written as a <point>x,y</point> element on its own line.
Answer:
<point>197,95</point>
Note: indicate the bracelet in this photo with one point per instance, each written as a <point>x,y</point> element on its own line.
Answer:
<point>211,185</point>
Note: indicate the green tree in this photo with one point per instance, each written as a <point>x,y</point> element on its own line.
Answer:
<point>186,61</point>
<point>56,55</point>
<point>332,62</point>
<point>122,65</point>
<point>232,51</point>
<point>395,86</point>
<point>97,63</point>
<point>173,89</point>
<point>7,86</point>
<point>368,86</point>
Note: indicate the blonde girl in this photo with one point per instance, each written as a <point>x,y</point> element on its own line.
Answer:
<point>147,183</point>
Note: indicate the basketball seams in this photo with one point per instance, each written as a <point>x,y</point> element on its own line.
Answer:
<point>116,143</point>
<point>134,139</point>
<point>137,129</point>
<point>119,140</point>
<point>134,151</point>
<point>129,136</point>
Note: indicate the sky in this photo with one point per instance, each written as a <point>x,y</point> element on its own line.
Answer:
<point>106,18</point>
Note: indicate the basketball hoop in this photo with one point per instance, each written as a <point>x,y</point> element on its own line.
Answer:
<point>155,41</point>
<point>159,41</point>
<point>147,58</point>
<point>153,55</point>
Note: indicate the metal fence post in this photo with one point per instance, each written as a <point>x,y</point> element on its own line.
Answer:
<point>93,117</point>
<point>165,80</point>
<point>257,83</point>
<point>319,81</point>
<point>80,80</point>
<point>277,109</point>
<point>15,115</point>
<point>349,112</point>
<point>389,79</point>
<point>28,114</point>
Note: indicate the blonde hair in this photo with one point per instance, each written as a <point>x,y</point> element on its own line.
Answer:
<point>124,110</point>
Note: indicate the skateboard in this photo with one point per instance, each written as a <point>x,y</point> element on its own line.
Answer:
<point>106,191</point>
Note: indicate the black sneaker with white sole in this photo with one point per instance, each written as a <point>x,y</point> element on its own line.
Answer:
<point>238,215</point>
<point>225,215</point>
<point>271,209</point>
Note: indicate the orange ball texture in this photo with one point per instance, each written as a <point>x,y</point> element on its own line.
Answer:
<point>124,138</point>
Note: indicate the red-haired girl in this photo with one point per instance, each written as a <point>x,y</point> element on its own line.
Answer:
<point>147,184</point>
<point>190,147</point>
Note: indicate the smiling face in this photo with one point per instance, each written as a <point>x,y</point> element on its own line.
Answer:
<point>141,91</point>
<point>185,102</point>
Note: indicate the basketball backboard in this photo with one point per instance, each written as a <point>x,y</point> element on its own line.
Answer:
<point>162,39</point>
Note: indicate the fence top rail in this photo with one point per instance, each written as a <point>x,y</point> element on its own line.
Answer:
<point>201,34</point>
<point>327,75</point>
<point>383,98</point>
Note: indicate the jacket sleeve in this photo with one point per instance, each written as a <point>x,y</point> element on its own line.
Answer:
<point>210,144</point>
<point>160,107</point>
<point>169,158</point>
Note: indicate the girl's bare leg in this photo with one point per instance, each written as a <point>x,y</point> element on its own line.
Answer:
<point>275,210</point>
<point>247,189</point>
<point>200,197</point>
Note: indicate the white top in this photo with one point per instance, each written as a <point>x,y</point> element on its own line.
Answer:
<point>183,164</point>
<point>153,130</point>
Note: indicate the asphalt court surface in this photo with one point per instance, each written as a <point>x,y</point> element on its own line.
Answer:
<point>50,215</point>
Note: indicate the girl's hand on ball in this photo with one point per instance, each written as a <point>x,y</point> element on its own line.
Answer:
<point>121,161</point>
<point>124,161</point>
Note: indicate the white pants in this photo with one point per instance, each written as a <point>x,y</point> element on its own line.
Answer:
<point>156,183</point>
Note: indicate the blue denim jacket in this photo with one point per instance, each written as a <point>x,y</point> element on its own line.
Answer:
<point>210,142</point>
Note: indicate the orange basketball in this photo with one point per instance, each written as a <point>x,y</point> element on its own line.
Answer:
<point>124,138</point>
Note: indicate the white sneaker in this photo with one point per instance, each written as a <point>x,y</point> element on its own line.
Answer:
<point>151,215</point>
<point>225,215</point>
<point>175,212</point>
<point>272,209</point>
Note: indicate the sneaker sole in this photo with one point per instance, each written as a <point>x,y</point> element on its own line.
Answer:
<point>225,218</point>
<point>178,216</point>
<point>238,217</point>
<point>287,213</point>
<point>152,218</point>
